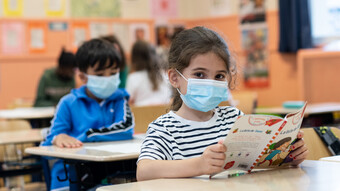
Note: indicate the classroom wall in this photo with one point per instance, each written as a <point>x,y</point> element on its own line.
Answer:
<point>19,75</point>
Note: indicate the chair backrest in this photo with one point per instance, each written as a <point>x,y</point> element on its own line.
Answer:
<point>20,103</point>
<point>144,115</point>
<point>244,101</point>
<point>317,148</point>
<point>14,125</point>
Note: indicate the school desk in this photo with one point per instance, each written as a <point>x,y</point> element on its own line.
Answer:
<point>27,113</point>
<point>22,136</point>
<point>312,176</point>
<point>331,159</point>
<point>315,115</point>
<point>38,116</point>
<point>101,154</point>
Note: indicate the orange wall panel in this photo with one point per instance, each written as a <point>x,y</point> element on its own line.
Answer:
<point>20,74</point>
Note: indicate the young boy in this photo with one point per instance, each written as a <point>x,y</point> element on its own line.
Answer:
<point>97,111</point>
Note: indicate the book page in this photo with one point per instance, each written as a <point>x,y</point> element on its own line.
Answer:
<point>261,140</point>
<point>276,154</point>
<point>247,138</point>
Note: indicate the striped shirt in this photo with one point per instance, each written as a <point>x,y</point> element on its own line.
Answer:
<point>171,137</point>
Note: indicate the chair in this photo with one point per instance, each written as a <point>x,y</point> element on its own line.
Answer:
<point>20,103</point>
<point>14,125</point>
<point>144,115</point>
<point>244,100</point>
<point>12,156</point>
<point>317,149</point>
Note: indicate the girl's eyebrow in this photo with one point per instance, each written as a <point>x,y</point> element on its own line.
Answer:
<point>205,69</point>
<point>223,71</point>
<point>195,69</point>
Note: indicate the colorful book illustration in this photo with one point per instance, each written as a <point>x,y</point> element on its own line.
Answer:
<point>261,141</point>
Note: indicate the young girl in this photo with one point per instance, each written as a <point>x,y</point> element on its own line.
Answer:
<point>186,142</point>
<point>146,84</point>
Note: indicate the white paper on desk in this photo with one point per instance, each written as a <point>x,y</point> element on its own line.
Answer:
<point>118,148</point>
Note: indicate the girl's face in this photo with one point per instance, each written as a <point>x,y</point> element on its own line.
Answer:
<point>202,66</point>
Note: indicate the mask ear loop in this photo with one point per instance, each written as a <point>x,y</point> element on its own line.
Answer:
<point>183,78</point>
<point>181,74</point>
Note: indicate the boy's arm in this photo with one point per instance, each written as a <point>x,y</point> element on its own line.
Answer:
<point>61,123</point>
<point>121,130</point>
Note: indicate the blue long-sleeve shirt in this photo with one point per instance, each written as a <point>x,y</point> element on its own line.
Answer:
<point>85,119</point>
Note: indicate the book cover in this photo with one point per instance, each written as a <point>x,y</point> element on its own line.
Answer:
<point>261,140</point>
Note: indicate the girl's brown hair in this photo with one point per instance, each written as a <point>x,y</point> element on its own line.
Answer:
<point>196,41</point>
<point>144,57</point>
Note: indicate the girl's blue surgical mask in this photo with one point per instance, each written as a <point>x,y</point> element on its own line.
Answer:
<point>204,94</point>
<point>103,86</point>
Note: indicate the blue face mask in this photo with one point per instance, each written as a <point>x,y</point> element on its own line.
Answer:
<point>204,95</point>
<point>103,86</point>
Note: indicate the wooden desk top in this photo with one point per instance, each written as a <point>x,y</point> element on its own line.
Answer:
<point>313,175</point>
<point>27,113</point>
<point>331,159</point>
<point>99,152</point>
<point>311,109</point>
<point>24,136</point>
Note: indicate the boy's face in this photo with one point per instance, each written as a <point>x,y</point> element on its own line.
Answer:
<point>97,72</point>
<point>202,66</point>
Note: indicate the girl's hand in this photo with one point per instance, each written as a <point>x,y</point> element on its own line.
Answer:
<point>299,150</point>
<point>212,159</point>
<point>64,140</point>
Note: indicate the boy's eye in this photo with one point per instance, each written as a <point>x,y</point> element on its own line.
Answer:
<point>220,77</point>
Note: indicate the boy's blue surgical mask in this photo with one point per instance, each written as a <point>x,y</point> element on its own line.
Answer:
<point>103,86</point>
<point>204,94</point>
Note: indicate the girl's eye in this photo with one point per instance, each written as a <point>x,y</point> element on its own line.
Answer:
<point>199,75</point>
<point>220,77</point>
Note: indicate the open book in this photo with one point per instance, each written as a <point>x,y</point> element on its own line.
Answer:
<point>261,140</point>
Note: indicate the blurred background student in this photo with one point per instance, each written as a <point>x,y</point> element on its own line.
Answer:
<point>117,45</point>
<point>56,82</point>
<point>147,84</point>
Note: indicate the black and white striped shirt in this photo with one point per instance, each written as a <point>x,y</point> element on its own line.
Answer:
<point>171,137</point>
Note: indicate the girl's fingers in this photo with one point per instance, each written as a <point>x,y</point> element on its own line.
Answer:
<point>217,163</point>
<point>300,158</point>
<point>219,156</point>
<point>300,134</point>
<point>300,151</point>
<point>218,148</point>
<point>298,144</point>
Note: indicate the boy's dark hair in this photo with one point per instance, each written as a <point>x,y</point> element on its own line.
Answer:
<point>97,51</point>
<point>66,59</point>
<point>143,57</point>
<point>114,40</point>
<point>192,42</point>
